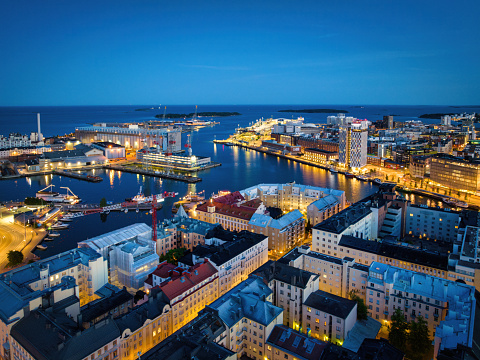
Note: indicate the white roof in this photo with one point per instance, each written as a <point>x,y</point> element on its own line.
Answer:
<point>101,243</point>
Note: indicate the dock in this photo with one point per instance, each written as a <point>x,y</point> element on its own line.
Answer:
<point>89,208</point>
<point>85,177</point>
<point>164,175</point>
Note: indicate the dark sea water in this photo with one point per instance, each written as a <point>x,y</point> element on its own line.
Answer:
<point>240,168</point>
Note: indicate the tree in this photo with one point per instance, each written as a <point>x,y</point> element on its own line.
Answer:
<point>172,256</point>
<point>386,177</point>
<point>14,258</point>
<point>362,310</point>
<point>418,339</point>
<point>308,228</point>
<point>398,330</point>
<point>103,202</point>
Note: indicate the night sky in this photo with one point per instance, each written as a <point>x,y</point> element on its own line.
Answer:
<point>239,52</point>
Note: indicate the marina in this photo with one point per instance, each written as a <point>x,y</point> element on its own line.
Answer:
<point>78,176</point>
<point>155,173</point>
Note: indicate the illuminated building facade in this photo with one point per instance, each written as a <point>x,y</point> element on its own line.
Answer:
<point>319,156</point>
<point>353,144</point>
<point>455,173</point>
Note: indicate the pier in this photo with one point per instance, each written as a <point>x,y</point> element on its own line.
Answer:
<point>160,174</point>
<point>85,177</point>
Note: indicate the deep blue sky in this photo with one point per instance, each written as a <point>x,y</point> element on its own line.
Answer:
<point>239,52</point>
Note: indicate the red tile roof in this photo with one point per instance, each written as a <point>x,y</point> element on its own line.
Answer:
<point>230,199</point>
<point>188,279</point>
<point>242,211</point>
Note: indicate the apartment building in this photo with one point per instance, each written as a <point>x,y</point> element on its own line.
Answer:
<point>53,333</point>
<point>353,144</point>
<point>336,276</point>
<point>447,306</point>
<point>181,231</point>
<point>234,255</point>
<point>356,220</point>
<point>432,223</point>
<point>291,287</point>
<point>189,291</point>
<point>322,209</point>
<point>328,317</point>
<point>290,196</point>
<point>283,233</point>
<point>202,339</point>
<point>249,317</point>
<point>144,326</point>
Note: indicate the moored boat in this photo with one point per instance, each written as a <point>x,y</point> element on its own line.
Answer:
<point>41,247</point>
<point>349,175</point>
<point>59,226</point>
<point>53,234</point>
<point>333,170</point>
<point>377,181</point>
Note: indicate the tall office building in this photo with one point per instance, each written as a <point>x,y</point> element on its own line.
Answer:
<point>388,121</point>
<point>353,144</point>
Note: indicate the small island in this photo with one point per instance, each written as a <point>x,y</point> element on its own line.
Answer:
<point>206,114</point>
<point>316,111</point>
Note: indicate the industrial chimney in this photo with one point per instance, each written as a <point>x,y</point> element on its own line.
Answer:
<point>40,136</point>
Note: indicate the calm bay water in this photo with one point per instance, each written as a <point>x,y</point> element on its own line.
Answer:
<point>240,168</point>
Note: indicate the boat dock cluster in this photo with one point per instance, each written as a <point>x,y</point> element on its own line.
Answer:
<point>161,174</point>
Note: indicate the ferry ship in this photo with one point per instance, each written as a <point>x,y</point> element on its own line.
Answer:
<point>53,196</point>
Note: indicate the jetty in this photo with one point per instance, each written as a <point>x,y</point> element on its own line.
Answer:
<point>160,174</point>
<point>79,176</point>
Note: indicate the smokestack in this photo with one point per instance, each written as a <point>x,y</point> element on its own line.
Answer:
<point>40,136</point>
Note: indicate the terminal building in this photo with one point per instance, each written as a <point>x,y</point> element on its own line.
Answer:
<point>132,137</point>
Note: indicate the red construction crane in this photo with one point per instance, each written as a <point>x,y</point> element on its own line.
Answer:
<point>154,218</point>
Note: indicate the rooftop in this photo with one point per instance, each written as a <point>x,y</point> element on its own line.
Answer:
<point>296,343</point>
<point>272,270</point>
<point>342,220</point>
<point>330,304</point>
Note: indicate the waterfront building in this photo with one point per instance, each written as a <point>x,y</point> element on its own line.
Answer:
<point>446,120</point>
<point>81,156</point>
<point>16,153</point>
<point>154,157</point>
<point>133,137</point>
<point>283,233</point>
<point>234,255</point>
<point>202,339</point>
<point>290,196</point>
<point>322,209</point>
<point>328,317</point>
<point>447,306</point>
<point>455,173</point>
<point>110,150</point>
<point>131,262</point>
<point>353,144</point>
<point>79,272</point>
<point>249,317</point>
<point>444,146</point>
<point>420,166</point>
<point>285,148</point>
<point>291,287</point>
<point>318,143</point>
<point>319,156</point>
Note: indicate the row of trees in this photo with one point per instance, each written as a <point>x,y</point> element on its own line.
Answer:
<point>412,337</point>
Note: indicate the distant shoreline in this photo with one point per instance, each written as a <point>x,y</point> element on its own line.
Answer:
<point>205,114</point>
<point>316,111</point>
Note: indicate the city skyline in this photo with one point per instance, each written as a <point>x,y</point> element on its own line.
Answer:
<point>248,53</point>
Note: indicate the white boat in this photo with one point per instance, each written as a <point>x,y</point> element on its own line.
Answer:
<point>53,234</point>
<point>377,181</point>
<point>461,204</point>
<point>362,177</point>
<point>53,196</point>
<point>47,239</point>
<point>333,171</point>
<point>59,226</point>
<point>66,218</point>
<point>41,247</point>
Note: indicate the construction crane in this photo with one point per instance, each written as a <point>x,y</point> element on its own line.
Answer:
<point>154,218</point>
